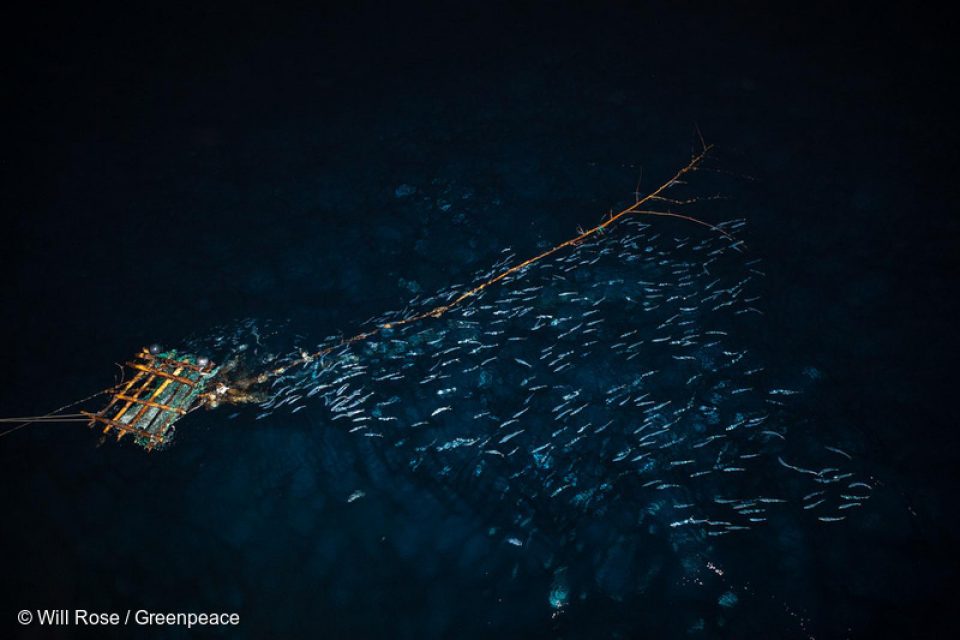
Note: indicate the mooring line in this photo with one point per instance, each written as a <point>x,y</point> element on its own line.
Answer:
<point>436,312</point>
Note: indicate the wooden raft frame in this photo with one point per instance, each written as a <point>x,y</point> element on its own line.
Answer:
<point>163,388</point>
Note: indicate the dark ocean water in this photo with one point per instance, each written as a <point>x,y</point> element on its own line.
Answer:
<point>172,171</point>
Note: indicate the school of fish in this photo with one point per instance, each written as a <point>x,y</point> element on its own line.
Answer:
<point>612,377</point>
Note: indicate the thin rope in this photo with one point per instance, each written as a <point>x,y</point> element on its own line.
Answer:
<point>59,415</point>
<point>55,416</point>
<point>436,312</point>
<point>44,419</point>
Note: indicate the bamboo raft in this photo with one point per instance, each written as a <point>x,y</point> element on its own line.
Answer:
<point>163,388</point>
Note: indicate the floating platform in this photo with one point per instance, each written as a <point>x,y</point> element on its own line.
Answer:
<point>163,388</point>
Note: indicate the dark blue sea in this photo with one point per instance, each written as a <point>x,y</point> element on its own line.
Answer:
<point>182,174</point>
